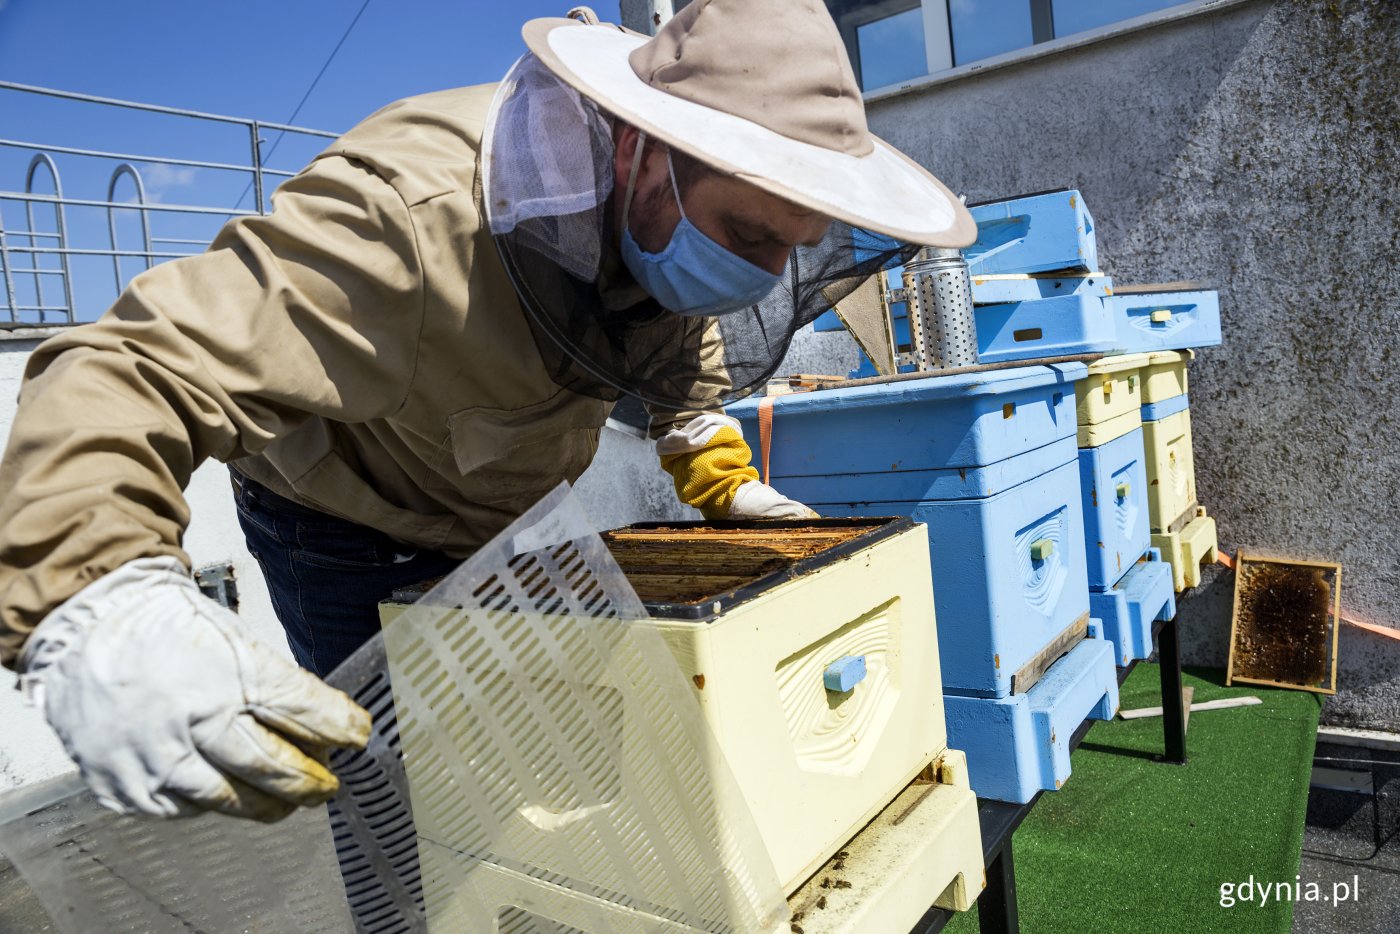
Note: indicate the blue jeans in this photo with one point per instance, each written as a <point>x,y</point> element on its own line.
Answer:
<point>326,576</point>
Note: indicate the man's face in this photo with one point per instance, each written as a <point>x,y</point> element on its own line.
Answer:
<point>749,222</point>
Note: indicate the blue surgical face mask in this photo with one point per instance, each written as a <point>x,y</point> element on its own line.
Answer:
<point>693,275</point>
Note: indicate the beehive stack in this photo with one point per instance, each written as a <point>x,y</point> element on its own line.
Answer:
<point>1129,586</point>
<point>1181,529</point>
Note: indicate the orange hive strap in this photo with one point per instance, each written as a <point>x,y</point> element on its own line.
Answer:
<point>1386,631</point>
<point>765,431</point>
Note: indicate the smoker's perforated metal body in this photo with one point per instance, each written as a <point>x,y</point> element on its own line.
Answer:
<point>938,291</point>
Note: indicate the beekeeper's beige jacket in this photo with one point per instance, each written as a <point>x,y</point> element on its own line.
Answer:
<point>360,350</point>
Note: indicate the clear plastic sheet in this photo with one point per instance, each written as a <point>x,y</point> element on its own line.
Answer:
<point>559,770</point>
<point>537,766</point>
<point>95,870</point>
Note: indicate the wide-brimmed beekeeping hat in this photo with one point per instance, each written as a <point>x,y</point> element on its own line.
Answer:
<point>762,90</point>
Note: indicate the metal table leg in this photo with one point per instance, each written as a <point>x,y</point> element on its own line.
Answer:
<point>996,908</point>
<point>1173,712</point>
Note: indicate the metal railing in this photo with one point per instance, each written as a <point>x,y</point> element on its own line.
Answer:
<point>28,293</point>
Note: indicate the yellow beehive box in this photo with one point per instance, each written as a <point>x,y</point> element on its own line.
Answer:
<point>1164,375</point>
<point>927,841</point>
<point>815,764</point>
<point>1187,549</point>
<point>1171,472</point>
<point>1109,399</point>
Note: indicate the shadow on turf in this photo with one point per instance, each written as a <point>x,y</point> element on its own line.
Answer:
<point>1119,751</point>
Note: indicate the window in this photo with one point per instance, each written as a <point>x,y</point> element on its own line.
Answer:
<point>891,48</point>
<point>983,28</point>
<point>890,41</point>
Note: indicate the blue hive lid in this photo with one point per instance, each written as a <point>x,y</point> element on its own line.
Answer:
<point>957,386</point>
<point>936,423</point>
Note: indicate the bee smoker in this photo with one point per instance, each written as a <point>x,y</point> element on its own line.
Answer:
<point>938,293</point>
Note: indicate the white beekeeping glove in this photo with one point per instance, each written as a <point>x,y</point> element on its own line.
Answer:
<point>758,500</point>
<point>169,708</point>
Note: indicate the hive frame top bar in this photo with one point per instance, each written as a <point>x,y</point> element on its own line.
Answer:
<point>881,528</point>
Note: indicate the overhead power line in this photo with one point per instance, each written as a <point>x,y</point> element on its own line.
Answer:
<point>305,97</point>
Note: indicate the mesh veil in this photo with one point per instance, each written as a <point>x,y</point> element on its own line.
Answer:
<point>547,187</point>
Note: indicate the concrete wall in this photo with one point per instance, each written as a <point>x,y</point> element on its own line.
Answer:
<point>1255,148</point>
<point>29,751</point>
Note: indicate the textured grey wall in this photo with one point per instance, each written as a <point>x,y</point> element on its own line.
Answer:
<point>1257,149</point>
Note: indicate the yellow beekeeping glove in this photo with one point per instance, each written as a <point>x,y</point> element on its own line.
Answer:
<point>709,461</point>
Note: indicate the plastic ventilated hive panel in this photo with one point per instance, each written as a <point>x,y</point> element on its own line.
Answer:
<point>558,769</point>
<point>987,461</point>
<point>1167,320</point>
<point>95,870</point>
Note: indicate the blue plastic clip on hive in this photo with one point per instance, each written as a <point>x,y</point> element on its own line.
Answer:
<point>988,462</point>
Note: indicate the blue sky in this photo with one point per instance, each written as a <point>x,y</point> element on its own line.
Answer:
<point>250,58</point>
<point>256,57</point>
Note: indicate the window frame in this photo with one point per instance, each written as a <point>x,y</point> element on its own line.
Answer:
<point>938,38</point>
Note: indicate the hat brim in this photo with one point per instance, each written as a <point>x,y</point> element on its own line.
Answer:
<point>884,190</point>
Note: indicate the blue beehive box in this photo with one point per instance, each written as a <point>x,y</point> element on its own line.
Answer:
<point>1118,532</point>
<point>1147,321</point>
<point>1128,609</point>
<point>988,462</point>
<point>1046,327</point>
<point>1000,289</point>
<point>1074,323</point>
<point>1017,746</point>
<point>1129,585</point>
<point>1033,233</point>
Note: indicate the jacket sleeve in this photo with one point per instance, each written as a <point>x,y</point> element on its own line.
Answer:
<point>314,309</point>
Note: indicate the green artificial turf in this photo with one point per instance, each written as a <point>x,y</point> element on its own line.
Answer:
<point>1130,844</point>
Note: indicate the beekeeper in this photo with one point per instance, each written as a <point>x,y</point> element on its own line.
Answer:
<point>421,340</point>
